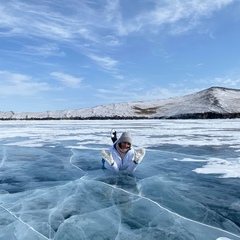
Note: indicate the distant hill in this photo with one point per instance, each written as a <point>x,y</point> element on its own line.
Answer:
<point>214,102</point>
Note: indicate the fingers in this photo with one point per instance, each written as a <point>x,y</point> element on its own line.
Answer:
<point>107,157</point>
<point>139,155</point>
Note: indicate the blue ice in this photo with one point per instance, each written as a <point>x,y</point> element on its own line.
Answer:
<point>187,187</point>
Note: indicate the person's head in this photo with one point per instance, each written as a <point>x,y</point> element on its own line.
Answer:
<point>125,141</point>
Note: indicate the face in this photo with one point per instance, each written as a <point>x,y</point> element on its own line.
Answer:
<point>125,145</point>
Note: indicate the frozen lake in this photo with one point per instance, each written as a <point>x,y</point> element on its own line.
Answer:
<point>53,187</point>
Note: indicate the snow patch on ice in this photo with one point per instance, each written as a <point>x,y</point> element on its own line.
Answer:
<point>190,160</point>
<point>223,238</point>
<point>226,168</point>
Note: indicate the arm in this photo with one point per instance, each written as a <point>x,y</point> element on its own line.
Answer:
<point>138,157</point>
<point>131,167</point>
<point>113,167</point>
<point>108,161</point>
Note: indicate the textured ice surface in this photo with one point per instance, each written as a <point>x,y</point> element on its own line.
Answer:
<point>187,187</point>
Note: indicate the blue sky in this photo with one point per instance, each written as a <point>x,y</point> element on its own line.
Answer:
<point>59,54</point>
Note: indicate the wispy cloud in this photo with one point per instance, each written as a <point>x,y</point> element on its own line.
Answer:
<point>178,16</point>
<point>222,81</point>
<point>83,21</point>
<point>105,62</point>
<point>45,50</point>
<point>20,84</point>
<point>140,94</point>
<point>94,29</point>
<point>67,80</point>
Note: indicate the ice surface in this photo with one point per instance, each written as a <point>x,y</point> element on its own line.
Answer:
<point>53,187</point>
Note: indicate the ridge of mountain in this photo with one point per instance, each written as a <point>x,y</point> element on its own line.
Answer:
<point>213,102</point>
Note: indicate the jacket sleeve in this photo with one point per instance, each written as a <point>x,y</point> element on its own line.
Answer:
<point>131,167</point>
<point>113,168</point>
<point>131,164</point>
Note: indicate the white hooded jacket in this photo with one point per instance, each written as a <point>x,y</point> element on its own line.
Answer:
<point>127,163</point>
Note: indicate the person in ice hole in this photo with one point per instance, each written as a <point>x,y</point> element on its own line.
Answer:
<point>122,155</point>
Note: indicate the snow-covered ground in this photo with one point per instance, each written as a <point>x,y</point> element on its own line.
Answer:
<point>215,100</point>
<point>187,187</point>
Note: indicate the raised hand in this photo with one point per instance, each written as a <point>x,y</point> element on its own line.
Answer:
<point>139,155</point>
<point>107,157</point>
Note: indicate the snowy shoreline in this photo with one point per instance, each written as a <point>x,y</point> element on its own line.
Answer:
<point>212,103</point>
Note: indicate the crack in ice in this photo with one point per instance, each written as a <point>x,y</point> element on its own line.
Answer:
<point>26,224</point>
<point>169,211</point>
<point>152,201</point>
<point>4,157</point>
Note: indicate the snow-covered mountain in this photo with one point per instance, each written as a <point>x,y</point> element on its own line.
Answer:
<point>214,102</point>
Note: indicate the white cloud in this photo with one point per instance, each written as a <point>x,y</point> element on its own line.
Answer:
<point>223,81</point>
<point>67,80</point>
<point>92,27</point>
<point>106,62</point>
<point>100,23</point>
<point>20,84</point>
<point>48,49</point>
<point>88,21</point>
<point>180,16</point>
<point>39,20</point>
